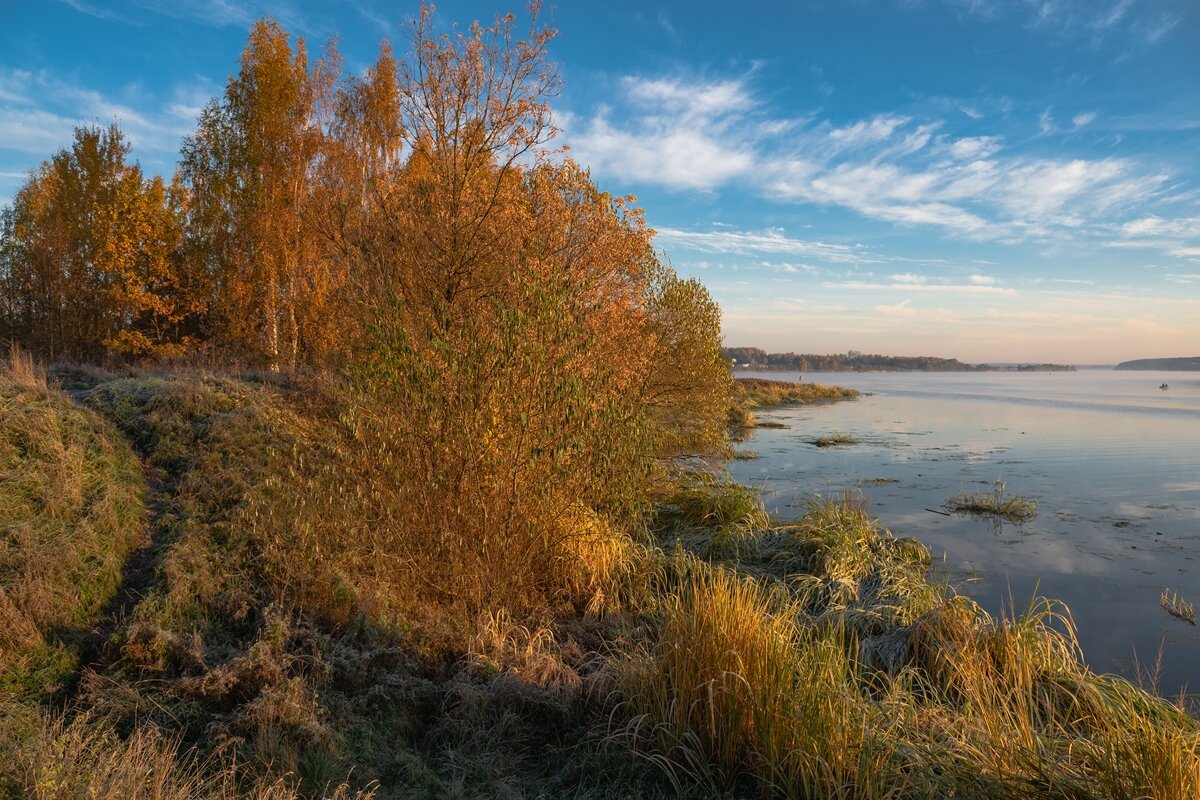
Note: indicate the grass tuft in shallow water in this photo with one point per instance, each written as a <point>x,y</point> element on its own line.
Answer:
<point>834,440</point>
<point>1177,607</point>
<point>995,503</point>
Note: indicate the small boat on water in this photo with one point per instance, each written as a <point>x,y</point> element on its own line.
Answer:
<point>1164,387</point>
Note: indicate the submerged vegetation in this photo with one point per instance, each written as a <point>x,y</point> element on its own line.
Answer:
<point>440,518</point>
<point>995,503</point>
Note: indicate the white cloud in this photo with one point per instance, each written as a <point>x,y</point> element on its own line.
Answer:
<point>975,147</point>
<point>747,242</point>
<point>95,11</point>
<point>931,288</point>
<point>682,136</point>
<point>1157,226</point>
<point>981,280</point>
<point>707,134</point>
<point>876,129</point>
<point>38,114</point>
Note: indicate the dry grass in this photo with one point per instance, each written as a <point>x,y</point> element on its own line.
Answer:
<point>995,503</point>
<point>835,440</point>
<point>22,371</point>
<point>751,393</point>
<point>864,681</point>
<point>85,758</point>
<point>71,510</point>
<point>1177,607</point>
<point>284,647</point>
<point>734,686</point>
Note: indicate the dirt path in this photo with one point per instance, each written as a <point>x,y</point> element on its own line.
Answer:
<point>96,647</point>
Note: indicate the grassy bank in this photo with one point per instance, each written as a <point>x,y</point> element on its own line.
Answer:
<point>71,513</point>
<point>749,394</point>
<point>285,646</point>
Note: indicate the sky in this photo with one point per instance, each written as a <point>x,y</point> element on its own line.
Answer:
<point>988,180</point>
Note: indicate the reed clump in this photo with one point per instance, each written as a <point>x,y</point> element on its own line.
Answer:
<point>837,439</point>
<point>1177,607</point>
<point>996,503</point>
<point>931,697</point>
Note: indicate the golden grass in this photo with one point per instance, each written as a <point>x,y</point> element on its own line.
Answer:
<point>85,758</point>
<point>789,690</point>
<point>808,659</point>
<point>1177,607</point>
<point>735,686</point>
<point>22,371</point>
<point>71,510</point>
<point>750,393</point>
<point>995,503</point>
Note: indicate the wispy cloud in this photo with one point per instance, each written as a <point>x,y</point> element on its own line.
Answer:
<point>684,135</point>
<point>929,288</point>
<point>706,134</point>
<point>755,243</point>
<point>1174,236</point>
<point>39,111</point>
<point>97,11</point>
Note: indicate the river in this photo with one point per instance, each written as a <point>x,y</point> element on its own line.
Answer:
<point>1112,461</point>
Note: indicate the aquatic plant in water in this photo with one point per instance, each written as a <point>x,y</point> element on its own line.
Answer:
<point>995,503</point>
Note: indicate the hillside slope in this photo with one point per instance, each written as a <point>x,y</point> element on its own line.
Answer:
<point>706,653</point>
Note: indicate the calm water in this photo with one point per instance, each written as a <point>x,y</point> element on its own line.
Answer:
<point>1112,461</point>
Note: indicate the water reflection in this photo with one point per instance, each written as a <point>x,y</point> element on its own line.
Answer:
<point>1109,459</point>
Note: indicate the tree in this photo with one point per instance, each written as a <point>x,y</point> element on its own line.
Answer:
<point>687,389</point>
<point>89,254</point>
<point>247,169</point>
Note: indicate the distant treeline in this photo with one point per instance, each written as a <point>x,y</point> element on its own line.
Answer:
<point>854,361</point>
<point>1186,364</point>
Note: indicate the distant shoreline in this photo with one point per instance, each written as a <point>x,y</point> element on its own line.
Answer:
<point>966,368</point>
<point>1184,364</point>
<point>754,358</point>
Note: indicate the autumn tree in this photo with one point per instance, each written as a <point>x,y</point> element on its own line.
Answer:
<point>687,389</point>
<point>512,380</point>
<point>247,170</point>
<point>88,257</point>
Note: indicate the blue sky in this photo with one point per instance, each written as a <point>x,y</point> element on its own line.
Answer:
<point>1003,180</point>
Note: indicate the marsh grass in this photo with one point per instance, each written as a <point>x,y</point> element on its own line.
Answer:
<point>834,440</point>
<point>285,644</point>
<point>748,394</point>
<point>760,393</point>
<point>711,516</point>
<point>734,687</point>
<point>995,503</point>
<point>895,687</point>
<point>1177,607</point>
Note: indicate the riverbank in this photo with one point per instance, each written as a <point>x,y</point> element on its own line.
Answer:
<point>701,650</point>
